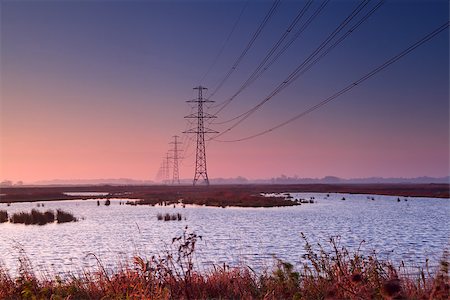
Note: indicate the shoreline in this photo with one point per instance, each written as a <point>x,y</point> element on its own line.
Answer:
<point>217,195</point>
<point>334,274</point>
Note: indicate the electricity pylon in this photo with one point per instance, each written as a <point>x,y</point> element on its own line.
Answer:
<point>166,168</point>
<point>200,158</point>
<point>175,157</point>
<point>160,174</point>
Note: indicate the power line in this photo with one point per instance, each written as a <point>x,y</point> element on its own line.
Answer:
<point>350,86</point>
<point>225,43</point>
<point>316,60</point>
<point>187,139</point>
<point>259,70</point>
<point>293,75</point>
<point>249,45</point>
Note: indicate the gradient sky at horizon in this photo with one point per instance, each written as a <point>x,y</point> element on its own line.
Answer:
<point>96,89</point>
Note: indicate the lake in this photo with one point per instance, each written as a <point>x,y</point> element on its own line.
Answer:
<point>410,231</point>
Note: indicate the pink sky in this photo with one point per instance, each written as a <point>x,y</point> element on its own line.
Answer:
<point>85,97</point>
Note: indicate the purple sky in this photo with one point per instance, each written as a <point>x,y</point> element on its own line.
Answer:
<point>96,89</point>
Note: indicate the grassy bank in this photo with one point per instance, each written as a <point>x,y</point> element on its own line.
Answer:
<point>322,275</point>
<point>218,195</point>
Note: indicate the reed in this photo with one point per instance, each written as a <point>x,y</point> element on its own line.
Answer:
<point>335,274</point>
<point>169,217</point>
<point>64,217</point>
<point>36,217</point>
<point>3,216</point>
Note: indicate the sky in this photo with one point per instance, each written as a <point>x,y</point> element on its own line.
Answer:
<point>97,89</point>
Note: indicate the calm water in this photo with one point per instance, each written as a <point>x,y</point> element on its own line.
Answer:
<point>410,230</point>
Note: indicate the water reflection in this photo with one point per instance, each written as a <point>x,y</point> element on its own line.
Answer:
<point>410,230</point>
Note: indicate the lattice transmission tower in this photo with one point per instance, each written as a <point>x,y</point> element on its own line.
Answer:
<point>175,157</point>
<point>200,130</point>
<point>159,176</point>
<point>166,169</point>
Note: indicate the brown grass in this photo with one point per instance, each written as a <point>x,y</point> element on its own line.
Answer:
<point>3,216</point>
<point>36,217</point>
<point>169,217</point>
<point>64,217</point>
<point>220,195</point>
<point>172,275</point>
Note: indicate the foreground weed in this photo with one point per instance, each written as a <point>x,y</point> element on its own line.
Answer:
<point>335,274</point>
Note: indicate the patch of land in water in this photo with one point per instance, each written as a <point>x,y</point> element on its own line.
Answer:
<point>217,195</point>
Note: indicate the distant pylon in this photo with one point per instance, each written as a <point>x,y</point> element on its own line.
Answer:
<point>166,168</point>
<point>175,157</point>
<point>160,174</point>
<point>200,158</point>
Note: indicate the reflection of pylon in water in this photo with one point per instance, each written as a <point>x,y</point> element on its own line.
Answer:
<point>200,159</point>
<point>175,157</point>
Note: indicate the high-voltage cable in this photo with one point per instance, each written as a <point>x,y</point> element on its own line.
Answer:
<point>350,86</point>
<point>259,69</point>
<point>249,45</point>
<point>216,58</point>
<point>293,75</point>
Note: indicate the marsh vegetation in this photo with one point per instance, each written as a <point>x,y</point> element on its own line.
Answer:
<point>216,195</point>
<point>3,216</point>
<point>36,217</point>
<point>335,274</point>
<point>169,217</point>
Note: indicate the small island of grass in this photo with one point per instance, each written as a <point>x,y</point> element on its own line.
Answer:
<point>36,217</point>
